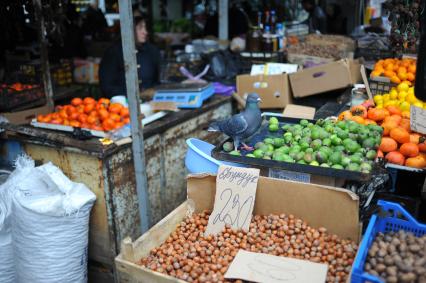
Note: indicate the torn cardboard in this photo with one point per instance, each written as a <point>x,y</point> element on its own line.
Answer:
<point>274,90</point>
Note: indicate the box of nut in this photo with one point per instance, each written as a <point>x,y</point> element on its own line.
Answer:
<point>290,219</point>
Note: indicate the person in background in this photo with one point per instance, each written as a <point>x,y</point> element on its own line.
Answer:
<point>111,70</point>
<point>336,23</point>
<point>94,22</point>
<point>317,20</point>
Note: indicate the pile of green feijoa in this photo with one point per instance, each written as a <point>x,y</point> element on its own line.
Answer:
<point>327,143</point>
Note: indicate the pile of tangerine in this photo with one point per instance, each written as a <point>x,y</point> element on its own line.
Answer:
<point>88,113</point>
<point>397,70</point>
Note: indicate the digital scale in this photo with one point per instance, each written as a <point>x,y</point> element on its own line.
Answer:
<point>184,95</point>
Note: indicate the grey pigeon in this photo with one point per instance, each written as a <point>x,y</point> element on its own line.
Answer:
<point>243,125</point>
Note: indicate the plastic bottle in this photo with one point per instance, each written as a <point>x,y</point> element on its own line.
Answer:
<point>259,20</point>
<point>282,40</point>
<point>267,40</point>
<point>273,22</point>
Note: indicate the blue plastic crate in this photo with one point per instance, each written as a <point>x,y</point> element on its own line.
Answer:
<point>182,99</point>
<point>392,218</point>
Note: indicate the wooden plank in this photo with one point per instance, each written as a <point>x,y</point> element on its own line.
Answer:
<point>131,272</point>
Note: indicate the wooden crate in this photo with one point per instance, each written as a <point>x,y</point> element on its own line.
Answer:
<point>319,205</point>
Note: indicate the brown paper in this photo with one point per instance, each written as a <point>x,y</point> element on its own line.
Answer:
<point>418,119</point>
<point>265,268</point>
<point>163,106</point>
<point>298,111</point>
<point>234,200</point>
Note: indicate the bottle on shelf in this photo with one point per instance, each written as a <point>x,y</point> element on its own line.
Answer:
<point>273,21</point>
<point>267,40</point>
<point>267,20</point>
<point>259,20</point>
<point>282,39</point>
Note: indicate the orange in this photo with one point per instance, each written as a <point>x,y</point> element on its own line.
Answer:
<point>411,77</point>
<point>415,138</point>
<point>409,149</point>
<point>126,120</point>
<point>75,124</point>
<point>400,135</point>
<point>375,74</point>
<point>82,118</point>
<point>88,100</point>
<point>405,124</point>
<point>124,112</point>
<point>389,74</point>
<point>103,114</point>
<point>389,67</point>
<point>115,108</point>
<point>402,70</point>
<point>108,124</point>
<point>395,79</point>
<point>76,101</point>
<point>388,145</point>
<point>405,114</point>
<point>388,126</point>
<point>92,120</point>
<point>412,68</point>
<point>104,101</point>
<point>89,107</point>
<point>395,157</point>
<point>393,110</point>
<point>115,117</point>
<point>402,76</point>
<point>416,162</point>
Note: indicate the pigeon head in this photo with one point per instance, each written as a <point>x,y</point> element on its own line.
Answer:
<point>253,98</point>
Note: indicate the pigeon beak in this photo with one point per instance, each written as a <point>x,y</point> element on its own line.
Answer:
<point>259,100</point>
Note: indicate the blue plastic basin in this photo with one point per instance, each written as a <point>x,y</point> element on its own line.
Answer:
<point>198,158</point>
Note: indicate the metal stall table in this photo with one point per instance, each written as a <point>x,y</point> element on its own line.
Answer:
<point>109,172</point>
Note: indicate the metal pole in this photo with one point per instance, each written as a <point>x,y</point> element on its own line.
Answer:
<point>47,81</point>
<point>130,67</point>
<point>223,19</point>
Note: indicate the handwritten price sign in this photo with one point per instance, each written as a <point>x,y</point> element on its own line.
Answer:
<point>234,200</point>
<point>418,119</point>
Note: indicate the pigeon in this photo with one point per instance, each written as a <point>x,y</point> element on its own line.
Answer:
<point>243,125</point>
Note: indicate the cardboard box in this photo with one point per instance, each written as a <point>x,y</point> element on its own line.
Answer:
<point>323,78</point>
<point>299,111</point>
<point>320,206</point>
<point>86,71</point>
<point>273,89</point>
<point>25,116</point>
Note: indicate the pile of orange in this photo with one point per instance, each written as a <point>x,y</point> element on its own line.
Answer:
<point>397,70</point>
<point>88,113</point>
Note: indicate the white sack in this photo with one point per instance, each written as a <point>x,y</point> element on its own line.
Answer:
<point>50,226</point>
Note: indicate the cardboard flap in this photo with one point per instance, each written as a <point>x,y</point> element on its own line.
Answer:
<point>273,89</point>
<point>333,208</point>
<point>299,111</point>
<point>321,78</point>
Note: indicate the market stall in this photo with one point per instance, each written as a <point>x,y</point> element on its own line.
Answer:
<point>108,171</point>
<point>277,153</point>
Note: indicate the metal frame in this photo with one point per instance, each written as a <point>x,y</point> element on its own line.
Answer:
<point>132,85</point>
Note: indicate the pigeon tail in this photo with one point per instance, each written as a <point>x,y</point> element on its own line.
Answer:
<point>214,127</point>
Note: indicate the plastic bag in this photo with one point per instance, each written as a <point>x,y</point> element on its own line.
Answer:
<point>23,165</point>
<point>50,227</point>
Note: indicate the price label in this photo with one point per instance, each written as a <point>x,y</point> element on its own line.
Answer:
<point>290,175</point>
<point>234,200</point>
<point>418,119</point>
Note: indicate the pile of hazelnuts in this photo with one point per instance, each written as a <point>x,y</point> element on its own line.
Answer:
<point>189,255</point>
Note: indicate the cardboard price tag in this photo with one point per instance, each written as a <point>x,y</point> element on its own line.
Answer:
<point>265,268</point>
<point>234,200</point>
<point>418,119</point>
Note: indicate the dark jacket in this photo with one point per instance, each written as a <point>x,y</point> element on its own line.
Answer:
<point>111,70</point>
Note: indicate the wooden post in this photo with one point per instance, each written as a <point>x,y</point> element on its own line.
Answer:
<point>132,86</point>
<point>47,81</point>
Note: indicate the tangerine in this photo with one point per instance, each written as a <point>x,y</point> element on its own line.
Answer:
<point>76,101</point>
<point>409,149</point>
